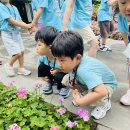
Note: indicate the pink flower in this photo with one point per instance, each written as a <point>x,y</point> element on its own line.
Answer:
<point>21,93</point>
<point>61,99</point>
<point>11,83</point>
<point>71,124</point>
<point>61,111</point>
<point>54,128</point>
<point>83,114</point>
<point>14,127</point>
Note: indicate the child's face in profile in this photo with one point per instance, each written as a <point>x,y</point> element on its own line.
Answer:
<point>67,64</point>
<point>124,6</point>
<point>42,49</point>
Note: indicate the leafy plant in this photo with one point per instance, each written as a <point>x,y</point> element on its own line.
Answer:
<point>24,110</point>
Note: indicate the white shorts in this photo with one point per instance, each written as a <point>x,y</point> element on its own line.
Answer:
<point>12,42</point>
<point>86,33</point>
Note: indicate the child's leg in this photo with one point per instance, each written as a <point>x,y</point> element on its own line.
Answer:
<point>102,105</point>
<point>105,28</point>
<point>64,90</point>
<point>44,71</point>
<point>125,99</point>
<point>89,40</point>
<point>22,70</point>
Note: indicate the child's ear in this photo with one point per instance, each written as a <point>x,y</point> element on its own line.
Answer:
<point>79,56</point>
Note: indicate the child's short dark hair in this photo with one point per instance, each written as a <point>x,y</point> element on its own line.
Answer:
<point>67,44</point>
<point>46,35</point>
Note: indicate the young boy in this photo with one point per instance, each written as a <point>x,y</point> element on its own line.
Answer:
<point>105,21</point>
<point>124,28</point>
<point>10,23</point>
<point>81,20</point>
<point>48,69</point>
<point>96,76</point>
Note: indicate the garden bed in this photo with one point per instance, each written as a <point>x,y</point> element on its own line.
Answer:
<point>24,110</point>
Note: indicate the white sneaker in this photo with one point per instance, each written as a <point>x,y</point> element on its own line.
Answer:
<point>9,70</point>
<point>23,71</point>
<point>126,98</point>
<point>100,111</point>
<point>105,48</point>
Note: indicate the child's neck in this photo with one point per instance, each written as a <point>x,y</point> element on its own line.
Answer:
<point>50,57</point>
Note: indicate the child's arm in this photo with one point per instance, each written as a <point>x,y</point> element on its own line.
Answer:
<point>67,14</point>
<point>111,2</point>
<point>98,93</point>
<point>18,23</point>
<point>37,16</point>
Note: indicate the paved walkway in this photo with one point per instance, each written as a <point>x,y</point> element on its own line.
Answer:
<point>118,118</point>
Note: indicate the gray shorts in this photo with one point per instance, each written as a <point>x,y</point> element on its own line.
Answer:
<point>12,42</point>
<point>105,28</point>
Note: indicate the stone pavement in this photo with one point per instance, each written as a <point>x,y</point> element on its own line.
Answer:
<point>118,118</point>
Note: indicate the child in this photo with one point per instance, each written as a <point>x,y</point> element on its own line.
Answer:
<point>52,13</point>
<point>10,23</point>
<point>124,28</point>
<point>105,21</point>
<point>35,4</point>
<point>81,20</point>
<point>93,74</point>
<point>48,69</point>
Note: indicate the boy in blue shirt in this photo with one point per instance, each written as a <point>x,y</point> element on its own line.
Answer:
<point>90,72</point>
<point>10,23</point>
<point>52,13</point>
<point>81,11</point>
<point>124,28</point>
<point>105,21</point>
<point>48,69</point>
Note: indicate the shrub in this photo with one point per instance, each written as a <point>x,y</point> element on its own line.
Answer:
<point>22,110</point>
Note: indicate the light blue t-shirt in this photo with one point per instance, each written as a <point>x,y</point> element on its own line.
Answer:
<point>8,11</point>
<point>53,12</point>
<point>91,73</point>
<point>122,23</point>
<point>82,13</point>
<point>105,12</point>
<point>44,59</point>
<point>35,4</point>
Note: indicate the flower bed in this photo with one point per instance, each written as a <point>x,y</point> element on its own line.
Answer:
<point>22,110</point>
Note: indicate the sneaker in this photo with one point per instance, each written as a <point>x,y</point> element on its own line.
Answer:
<point>74,103</point>
<point>125,100</point>
<point>105,48</point>
<point>9,70</point>
<point>65,92</point>
<point>48,89</point>
<point>23,71</point>
<point>55,89</point>
<point>100,111</point>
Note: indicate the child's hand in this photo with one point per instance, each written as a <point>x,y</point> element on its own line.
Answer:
<point>32,29</point>
<point>53,71</point>
<point>76,95</point>
<point>45,78</point>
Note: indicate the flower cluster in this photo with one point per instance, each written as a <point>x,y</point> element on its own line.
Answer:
<point>71,124</point>
<point>54,128</point>
<point>61,111</point>
<point>14,127</point>
<point>21,93</point>
<point>83,113</point>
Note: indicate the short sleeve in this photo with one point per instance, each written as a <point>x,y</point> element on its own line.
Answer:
<point>43,3</point>
<point>89,79</point>
<point>4,13</point>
